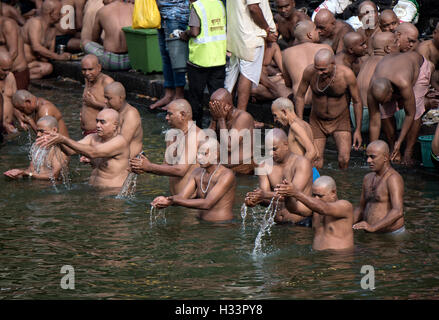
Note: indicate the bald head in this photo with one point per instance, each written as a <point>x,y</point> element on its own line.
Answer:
<point>303,29</point>
<point>383,39</point>
<point>381,89</point>
<point>351,39</point>
<point>325,183</point>
<point>278,135</point>
<point>91,60</point>
<point>222,95</point>
<point>48,121</point>
<point>283,104</point>
<point>324,57</point>
<point>109,115</point>
<point>49,5</point>
<point>20,97</point>
<point>408,36</point>
<point>182,105</point>
<point>324,16</point>
<point>379,146</point>
<point>388,21</point>
<point>115,88</point>
<point>5,59</point>
<point>407,27</point>
<point>363,6</point>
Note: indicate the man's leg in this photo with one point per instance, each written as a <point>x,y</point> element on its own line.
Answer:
<point>244,90</point>
<point>320,144</point>
<point>389,129</point>
<point>343,141</point>
<point>411,138</point>
<point>197,82</point>
<point>39,69</point>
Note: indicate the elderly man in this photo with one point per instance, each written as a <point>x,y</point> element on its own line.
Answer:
<point>177,166</point>
<point>33,108</point>
<point>129,118</point>
<point>113,54</point>
<point>8,87</point>
<point>213,185</point>
<point>355,47</point>
<point>93,99</point>
<point>295,59</point>
<point>388,21</point>
<point>408,36</point>
<point>249,24</point>
<point>54,162</point>
<point>368,15</point>
<point>331,31</point>
<point>382,196</point>
<point>330,85</point>
<point>287,19</point>
<point>399,80</point>
<point>107,149</point>
<point>285,166</point>
<point>239,125</point>
<point>13,43</point>
<point>39,40</point>
<point>332,218</point>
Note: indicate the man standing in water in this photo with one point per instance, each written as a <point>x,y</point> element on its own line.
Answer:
<point>286,166</point>
<point>212,183</point>
<point>179,116</point>
<point>93,99</point>
<point>332,218</point>
<point>129,118</point>
<point>33,108</point>
<point>54,162</point>
<point>331,86</point>
<point>107,149</point>
<point>381,203</point>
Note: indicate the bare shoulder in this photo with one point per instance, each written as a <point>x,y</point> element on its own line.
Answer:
<point>309,71</point>
<point>227,174</point>
<point>9,24</point>
<point>302,163</point>
<point>244,116</point>
<point>106,79</point>
<point>302,15</point>
<point>395,177</point>
<point>345,205</point>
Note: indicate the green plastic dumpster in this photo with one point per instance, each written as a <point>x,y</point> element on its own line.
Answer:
<point>143,49</point>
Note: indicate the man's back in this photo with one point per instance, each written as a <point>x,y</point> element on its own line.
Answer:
<point>112,18</point>
<point>429,51</point>
<point>366,72</point>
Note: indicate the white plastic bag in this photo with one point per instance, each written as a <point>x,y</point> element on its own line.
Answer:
<point>335,6</point>
<point>407,10</point>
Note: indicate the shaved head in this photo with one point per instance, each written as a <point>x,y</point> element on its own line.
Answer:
<point>283,104</point>
<point>380,146</point>
<point>222,95</point>
<point>182,105</point>
<point>20,96</point>
<point>388,20</point>
<point>407,27</point>
<point>326,183</point>
<point>278,135</point>
<point>109,115</point>
<point>115,88</point>
<point>48,121</point>
<point>383,39</point>
<point>364,3</point>
<point>381,88</point>
<point>324,16</point>
<point>303,28</point>
<point>49,5</point>
<point>351,39</point>
<point>324,56</point>
<point>90,58</point>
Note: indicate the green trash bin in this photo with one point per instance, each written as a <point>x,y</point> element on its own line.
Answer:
<point>143,49</point>
<point>426,150</point>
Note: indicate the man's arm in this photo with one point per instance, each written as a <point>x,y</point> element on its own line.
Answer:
<point>11,33</point>
<point>408,97</point>
<point>358,212</point>
<point>223,184</point>
<point>302,173</point>
<point>8,107</point>
<point>374,116</point>
<point>338,209</point>
<point>358,106</point>
<point>285,73</point>
<point>305,141</point>
<point>131,123</point>
<point>301,91</point>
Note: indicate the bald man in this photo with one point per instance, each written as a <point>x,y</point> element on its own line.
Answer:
<point>11,41</point>
<point>130,122</point>
<point>408,36</point>
<point>383,43</point>
<point>355,47</point>
<point>388,21</point>
<point>93,99</point>
<point>300,137</point>
<point>212,184</point>
<point>331,31</point>
<point>368,15</point>
<point>8,87</point>
<point>33,108</point>
<point>399,81</point>
<point>108,150</point>
<point>186,136</point>
<point>382,196</point>
<point>295,59</point>
<point>39,40</point>
<point>284,166</point>
<point>239,125</point>
<point>54,162</point>
<point>331,86</point>
<point>332,218</point>
<point>287,18</point>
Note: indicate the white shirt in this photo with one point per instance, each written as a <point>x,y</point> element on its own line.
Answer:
<point>243,34</point>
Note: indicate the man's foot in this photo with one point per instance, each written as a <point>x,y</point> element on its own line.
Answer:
<point>397,159</point>
<point>408,159</point>
<point>162,102</point>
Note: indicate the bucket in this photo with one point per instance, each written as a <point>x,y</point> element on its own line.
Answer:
<point>178,52</point>
<point>426,150</point>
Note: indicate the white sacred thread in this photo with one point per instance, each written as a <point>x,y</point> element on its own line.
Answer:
<point>330,82</point>
<point>208,183</point>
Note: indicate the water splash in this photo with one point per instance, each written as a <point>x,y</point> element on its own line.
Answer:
<point>243,213</point>
<point>155,214</point>
<point>129,187</point>
<point>38,156</point>
<point>265,226</point>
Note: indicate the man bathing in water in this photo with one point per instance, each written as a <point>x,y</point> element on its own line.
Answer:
<point>355,47</point>
<point>331,217</point>
<point>33,108</point>
<point>331,31</point>
<point>381,203</point>
<point>212,183</point>
<point>179,116</point>
<point>93,99</point>
<point>107,149</point>
<point>286,166</point>
<point>331,87</point>
<point>226,117</point>
<point>399,80</point>
<point>129,118</point>
<point>286,20</point>
<point>54,162</point>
